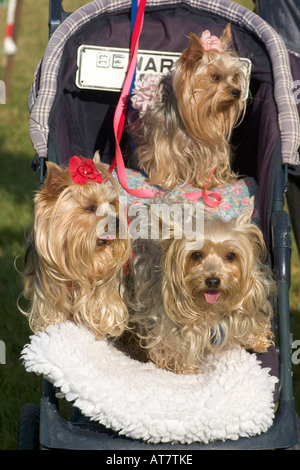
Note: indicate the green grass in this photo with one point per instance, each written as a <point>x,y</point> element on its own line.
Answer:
<point>17,185</point>
<point>246,3</point>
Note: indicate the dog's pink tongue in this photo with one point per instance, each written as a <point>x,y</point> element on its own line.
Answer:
<point>211,296</point>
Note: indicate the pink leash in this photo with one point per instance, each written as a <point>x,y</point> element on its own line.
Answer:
<point>211,199</point>
<point>120,113</point>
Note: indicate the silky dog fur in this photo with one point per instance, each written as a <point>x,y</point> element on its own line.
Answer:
<point>189,300</point>
<point>185,134</point>
<point>71,272</point>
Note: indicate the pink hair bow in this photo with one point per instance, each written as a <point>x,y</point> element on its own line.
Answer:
<point>210,42</point>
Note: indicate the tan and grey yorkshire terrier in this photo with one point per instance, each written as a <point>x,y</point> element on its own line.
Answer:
<point>74,261</point>
<point>191,299</point>
<point>182,133</point>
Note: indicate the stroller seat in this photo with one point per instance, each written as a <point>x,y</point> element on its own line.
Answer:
<point>66,119</point>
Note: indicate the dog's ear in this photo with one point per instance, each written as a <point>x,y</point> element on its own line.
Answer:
<point>226,37</point>
<point>97,158</point>
<point>194,52</point>
<point>105,171</point>
<point>245,216</point>
<point>253,232</point>
<point>57,179</point>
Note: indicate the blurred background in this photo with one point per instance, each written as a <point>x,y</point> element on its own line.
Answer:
<point>17,186</point>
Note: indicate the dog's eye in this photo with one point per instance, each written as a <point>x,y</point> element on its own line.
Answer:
<point>91,208</point>
<point>101,242</point>
<point>230,257</point>
<point>216,77</point>
<point>197,256</point>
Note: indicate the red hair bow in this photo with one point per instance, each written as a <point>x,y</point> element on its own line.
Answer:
<point>83,170</point>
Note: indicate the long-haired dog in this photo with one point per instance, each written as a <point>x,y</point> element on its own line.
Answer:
<point>75,255</point>
<point>185,119</point>
<point>190,299</point>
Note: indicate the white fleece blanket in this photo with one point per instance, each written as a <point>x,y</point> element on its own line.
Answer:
<point>231,398</point>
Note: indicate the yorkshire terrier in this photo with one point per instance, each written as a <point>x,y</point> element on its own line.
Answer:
<point>185,119</point>
<point>75,254</point>
<point>191,299</point>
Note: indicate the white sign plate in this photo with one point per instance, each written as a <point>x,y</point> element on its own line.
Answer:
<point>103,68</point>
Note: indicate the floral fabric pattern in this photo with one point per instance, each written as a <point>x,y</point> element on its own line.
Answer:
<point>235,196</point>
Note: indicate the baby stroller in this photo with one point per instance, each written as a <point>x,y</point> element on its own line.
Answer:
<point>71,116</point>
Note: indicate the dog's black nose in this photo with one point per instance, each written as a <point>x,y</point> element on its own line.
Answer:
<point>212,282</point>
<point>236,93</point>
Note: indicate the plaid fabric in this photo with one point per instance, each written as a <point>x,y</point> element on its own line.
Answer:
<point>288,118</point>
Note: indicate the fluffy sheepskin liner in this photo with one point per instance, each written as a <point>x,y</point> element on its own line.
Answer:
<point>232,397</point>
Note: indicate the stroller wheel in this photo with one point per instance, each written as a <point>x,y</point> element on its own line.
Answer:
<point>29,427</point>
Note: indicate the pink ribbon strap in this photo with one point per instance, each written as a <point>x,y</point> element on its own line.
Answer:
<point>210,198</point>
<point>120,114</point>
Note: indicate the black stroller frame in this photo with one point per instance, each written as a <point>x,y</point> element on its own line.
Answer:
<point>45,427</point>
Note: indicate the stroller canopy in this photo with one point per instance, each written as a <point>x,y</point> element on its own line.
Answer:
<point>43,98</point>
<point>77,121</point>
